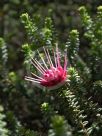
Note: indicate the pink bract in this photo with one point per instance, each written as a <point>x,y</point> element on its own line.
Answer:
<point>50,71</point>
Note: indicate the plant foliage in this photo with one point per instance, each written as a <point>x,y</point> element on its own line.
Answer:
<point>75,109</point>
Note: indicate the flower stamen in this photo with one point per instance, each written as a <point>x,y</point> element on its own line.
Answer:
<point>57,52</point>
<point>37,66</point>
<point>32,79</point>
<point>42,60</point>
<point>47,57</point>
<point>36,76</point>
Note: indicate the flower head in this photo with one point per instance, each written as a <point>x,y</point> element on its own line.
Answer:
<point>50,72</point>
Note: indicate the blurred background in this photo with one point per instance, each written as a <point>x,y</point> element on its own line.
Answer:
<point>13,90</point>
<point>64,13</point>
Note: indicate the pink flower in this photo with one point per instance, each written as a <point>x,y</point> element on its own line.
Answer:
<point>51,74</point>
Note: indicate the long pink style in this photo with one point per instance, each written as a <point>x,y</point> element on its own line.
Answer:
<point>52,75</point>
